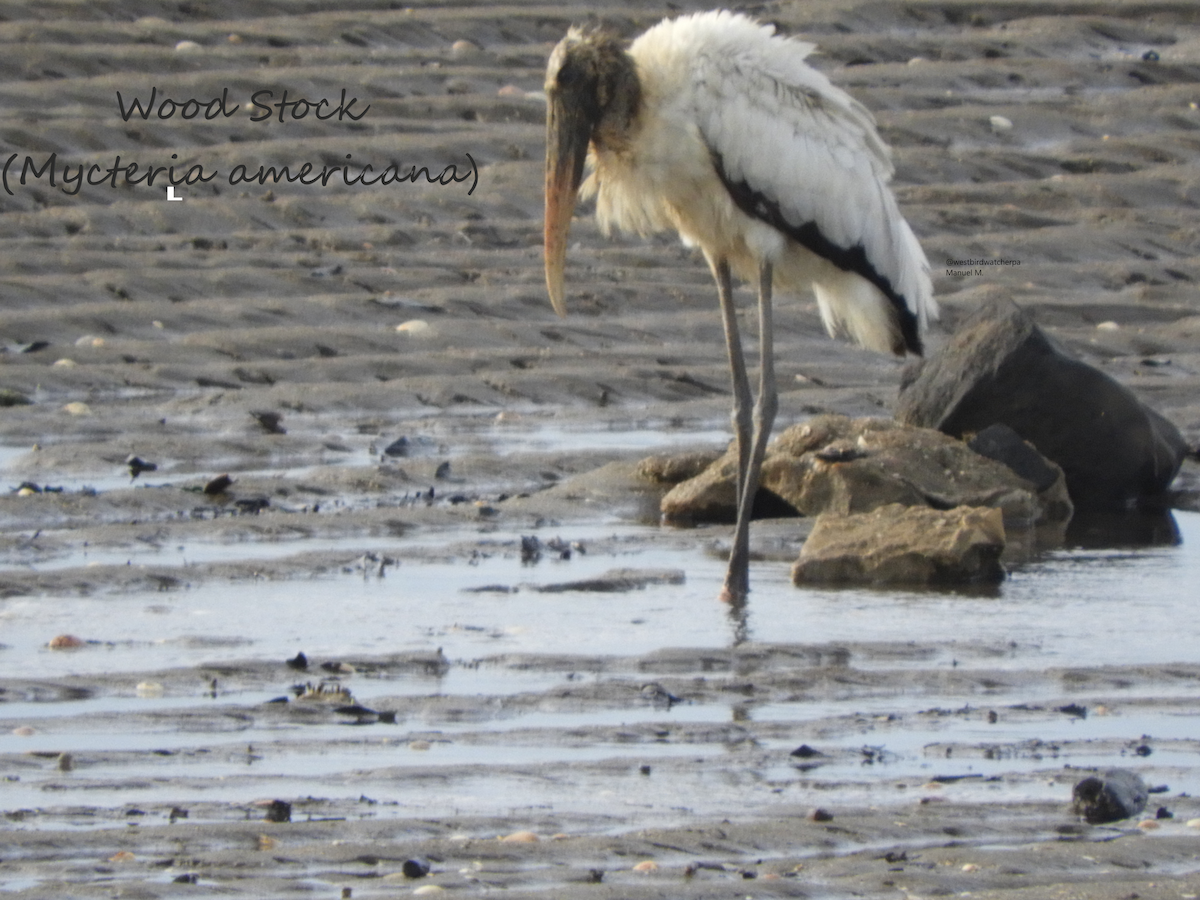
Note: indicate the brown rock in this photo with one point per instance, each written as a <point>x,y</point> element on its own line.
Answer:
<point>898,544</point>
<point>674,468</point>
<point>836,464</point>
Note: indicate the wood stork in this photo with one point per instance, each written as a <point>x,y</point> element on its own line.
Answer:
<point>712,125</point>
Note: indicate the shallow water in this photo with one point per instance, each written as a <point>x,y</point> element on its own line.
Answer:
<point>1090,606</point>
<point>1072,607</point>
<point>1079,608</point>
<point>448,438</point>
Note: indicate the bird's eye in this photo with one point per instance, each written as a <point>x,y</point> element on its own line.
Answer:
<point>571,74</point>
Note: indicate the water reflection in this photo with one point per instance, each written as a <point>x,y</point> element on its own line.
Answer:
<point>1139,528</point>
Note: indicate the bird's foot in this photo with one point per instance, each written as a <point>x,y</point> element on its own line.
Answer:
<point>733,593</point>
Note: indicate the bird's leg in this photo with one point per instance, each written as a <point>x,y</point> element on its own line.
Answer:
<point>737,578</point>
<point>768,400</point>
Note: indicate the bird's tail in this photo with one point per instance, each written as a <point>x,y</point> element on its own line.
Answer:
<point>853,308</point>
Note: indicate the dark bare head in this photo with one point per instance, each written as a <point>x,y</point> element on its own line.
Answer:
<point>592,97</point>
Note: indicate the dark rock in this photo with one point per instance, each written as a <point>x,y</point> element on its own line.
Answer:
<point>898,544</point>
<point>137,466</point>
<point>269,420</point>
<point>9,397</point>
<point>531,549</point>
<point>1001,443</point>
<point>615,581</point>
<point>999,367</point>
<point>415,868</point>
<point>218,485</point>
<point>397,448</point>
<point>805,752</point>
<point>29,347</point>
<point>355,709</point>
<point>279,811</point>
<point>1117,794</point>
<point>299,661</point>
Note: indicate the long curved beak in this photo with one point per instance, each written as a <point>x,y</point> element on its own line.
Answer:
<point>568,131</point>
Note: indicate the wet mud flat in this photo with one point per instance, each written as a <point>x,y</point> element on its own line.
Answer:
<point>433,492</point>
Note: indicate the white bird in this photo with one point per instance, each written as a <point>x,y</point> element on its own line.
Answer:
<point>712,125</point>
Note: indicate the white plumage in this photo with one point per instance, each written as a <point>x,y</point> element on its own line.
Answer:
<point>713,126</point>
<point>721,83</point>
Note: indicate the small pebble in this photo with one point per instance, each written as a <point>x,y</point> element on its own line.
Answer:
<point>464,49</point>
<point>646,865</point>
<point>521,837</point>
<point>77,408</point>
<point>820,815</point>
<point>1000,123</point>
<point>65,642</point>
<point>279,811</point>
<point>415,868</point>
<point>188,47</point>
<point>413,326</point>
<point>218,485</point>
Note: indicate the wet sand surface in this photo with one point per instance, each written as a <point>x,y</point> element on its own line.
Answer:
<point>590,692</point>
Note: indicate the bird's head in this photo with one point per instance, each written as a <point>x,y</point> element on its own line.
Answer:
<point>592,95</point>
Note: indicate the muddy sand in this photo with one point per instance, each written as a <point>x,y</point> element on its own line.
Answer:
<point>586,689</point>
